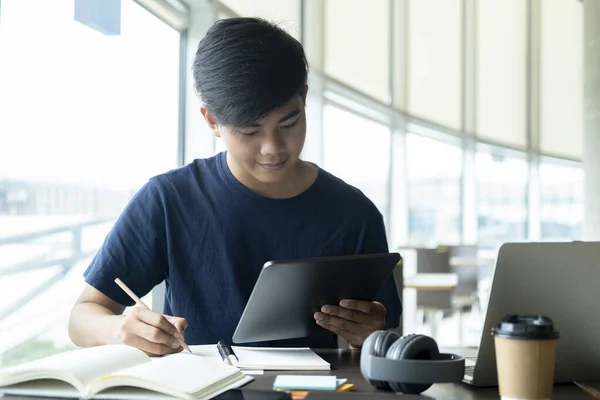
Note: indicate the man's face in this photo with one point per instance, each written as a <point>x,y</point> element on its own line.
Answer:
<point>268,150</point>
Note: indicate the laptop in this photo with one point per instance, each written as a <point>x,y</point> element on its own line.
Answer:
<point>559,280</point>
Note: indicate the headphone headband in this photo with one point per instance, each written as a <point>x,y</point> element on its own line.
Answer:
<point>444,368</point>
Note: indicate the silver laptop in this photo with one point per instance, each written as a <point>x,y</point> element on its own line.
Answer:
<point>560,280</point>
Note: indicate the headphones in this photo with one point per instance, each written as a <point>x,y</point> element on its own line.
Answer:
<point>408,364</point>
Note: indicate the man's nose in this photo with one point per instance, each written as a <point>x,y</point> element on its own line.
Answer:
<point>272,144</point>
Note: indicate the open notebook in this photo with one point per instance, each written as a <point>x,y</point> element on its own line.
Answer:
<point>269,358</point>
<point>121,372</point>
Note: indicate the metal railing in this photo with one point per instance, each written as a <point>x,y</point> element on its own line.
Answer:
<point>48,259</point>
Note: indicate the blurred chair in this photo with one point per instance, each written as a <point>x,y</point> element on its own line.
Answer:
<point>431,304</point>
<point>464,263</point>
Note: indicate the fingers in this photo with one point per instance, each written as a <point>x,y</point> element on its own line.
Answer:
<point>180,324</point>
<point>158,321</point>
<point>354,320</point>
<point>151,348</point>
<point>364,312</point>
<point>157,336</point>
<point>341,324</point>
<point>367,307</point>
<point>151,332</point>
<point>346,313</point>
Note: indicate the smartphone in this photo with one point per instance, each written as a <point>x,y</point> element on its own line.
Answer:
<point>253,394</point>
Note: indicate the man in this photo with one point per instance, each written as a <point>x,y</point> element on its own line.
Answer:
<point>208,227</point>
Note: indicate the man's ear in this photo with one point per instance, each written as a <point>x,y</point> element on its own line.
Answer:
<point>210,121</point>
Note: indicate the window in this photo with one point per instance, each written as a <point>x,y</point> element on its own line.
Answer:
<point>434,58</point>
<point>357,150</point>
<point>502,199</point>
<point>357,45</point>
<point>561,78</point>
<point>434,172</point>
<point>561,188</point>
<point>284,13</point>
<point>501,71</point>
<point>86,120</point>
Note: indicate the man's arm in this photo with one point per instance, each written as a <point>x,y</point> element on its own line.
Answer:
<point>94,309</point>
<point>135,251</point>
<point>96,320</point>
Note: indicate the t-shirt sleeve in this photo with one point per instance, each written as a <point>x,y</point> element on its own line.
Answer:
<point>135,249</point>
<point>374,240</point>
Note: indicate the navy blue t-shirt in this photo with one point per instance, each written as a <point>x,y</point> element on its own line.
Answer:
<point>208,236</point>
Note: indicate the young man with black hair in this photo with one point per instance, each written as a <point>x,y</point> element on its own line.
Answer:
<point>208,227</point>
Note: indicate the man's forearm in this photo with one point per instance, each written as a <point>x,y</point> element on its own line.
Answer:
<point>92,325</point>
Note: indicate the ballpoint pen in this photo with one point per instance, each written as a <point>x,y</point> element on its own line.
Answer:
<point>227,353</point>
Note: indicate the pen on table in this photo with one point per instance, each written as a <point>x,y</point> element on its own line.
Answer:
<point>140,303</point>
<point>227,353</point>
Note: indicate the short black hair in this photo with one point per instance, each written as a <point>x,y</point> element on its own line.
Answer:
<point>247,67</point>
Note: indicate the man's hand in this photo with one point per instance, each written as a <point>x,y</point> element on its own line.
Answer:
<point>352,319</point>
<point>155,334</point>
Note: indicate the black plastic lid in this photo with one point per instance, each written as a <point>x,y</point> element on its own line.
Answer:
<point>536,327</point>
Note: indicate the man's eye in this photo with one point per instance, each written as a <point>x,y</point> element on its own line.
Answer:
<point>247,133</point>
<point>290,125</point>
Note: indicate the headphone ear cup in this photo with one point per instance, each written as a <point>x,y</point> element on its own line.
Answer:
<point>412,347</point>
<point>377,344</point>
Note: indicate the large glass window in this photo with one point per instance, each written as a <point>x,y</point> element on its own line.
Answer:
<point>284,13</point>
<point>561,78</point>
<point>502,199</point>
<point>434,172</point>
<point>357,150</point>
<point>434,60</point>
<point>87,118</point>
<point>501,71</point>
<point>357,45</point>
<point>561,189</point>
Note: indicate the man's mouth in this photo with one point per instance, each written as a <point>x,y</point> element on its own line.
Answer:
<point>273,166</point>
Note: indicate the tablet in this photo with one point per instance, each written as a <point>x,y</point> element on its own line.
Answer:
<point>288,293</point>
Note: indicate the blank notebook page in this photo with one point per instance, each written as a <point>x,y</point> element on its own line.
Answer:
<point>270,358</point>
<point>182,371</point>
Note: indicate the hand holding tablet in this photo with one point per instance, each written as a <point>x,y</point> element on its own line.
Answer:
<point>352,319</point>
<point>291,295</point>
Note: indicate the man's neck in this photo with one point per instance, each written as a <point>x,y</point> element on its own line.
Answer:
<point>296,181</point>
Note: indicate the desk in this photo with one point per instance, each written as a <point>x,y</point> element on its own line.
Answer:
<point>346,364</point>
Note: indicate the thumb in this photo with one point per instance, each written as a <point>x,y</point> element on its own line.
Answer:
<point>179,323</point>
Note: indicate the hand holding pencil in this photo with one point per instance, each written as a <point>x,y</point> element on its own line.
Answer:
<point>154,333</point>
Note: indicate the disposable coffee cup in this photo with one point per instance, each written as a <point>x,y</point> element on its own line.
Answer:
<point>525,357</point>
